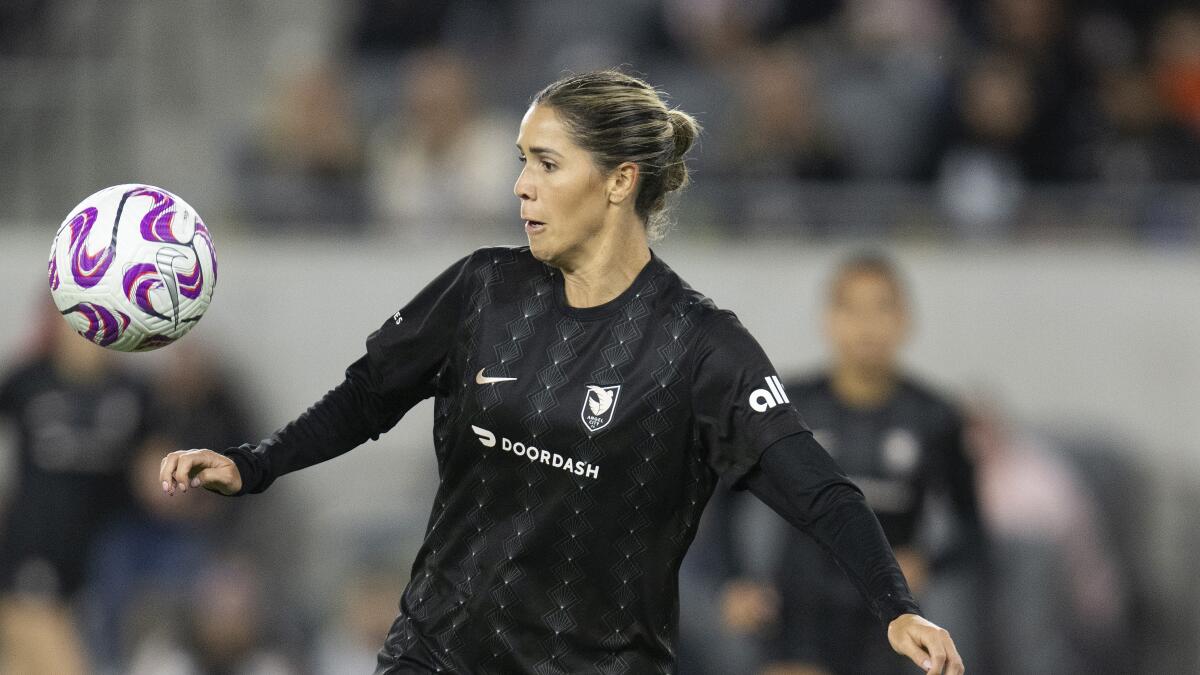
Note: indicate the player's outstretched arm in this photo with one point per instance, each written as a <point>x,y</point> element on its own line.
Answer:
<point>199,468</point>
<point>927,644</point>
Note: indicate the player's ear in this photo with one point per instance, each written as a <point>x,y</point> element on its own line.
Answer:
<point>622,182</point>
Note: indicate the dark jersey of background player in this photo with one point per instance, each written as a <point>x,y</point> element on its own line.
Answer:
<point>79,422</point>
<point>576,450</point>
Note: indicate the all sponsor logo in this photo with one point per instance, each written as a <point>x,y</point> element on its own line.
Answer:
<point>599,404</point>
<point>762,400</point>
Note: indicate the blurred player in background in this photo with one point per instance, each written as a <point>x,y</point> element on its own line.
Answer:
<point>79,419</point>
<point>901,443</point>
<point>586,401</point>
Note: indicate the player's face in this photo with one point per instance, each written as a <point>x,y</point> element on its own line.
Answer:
<point>563,202</point>
<point>867,321</point>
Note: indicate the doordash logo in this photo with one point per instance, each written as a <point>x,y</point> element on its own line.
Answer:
<point>762,400</point>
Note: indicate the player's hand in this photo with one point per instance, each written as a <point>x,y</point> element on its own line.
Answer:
<point>748,606</point>
<point>185,469</point>
<point>926,643</point>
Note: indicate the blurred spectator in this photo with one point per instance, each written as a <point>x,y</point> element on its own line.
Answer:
<point>387,27</point>
<point>1136,142</point>
<point>888,78</point>
<point>303,168</point>
<point>587,35</point>
<point>80,418</point>
<point>433,164</point>
<point>1176,62</point>
<point>199,403</point>
<point>157,541</point>
<point>223,628</point>
<point>146,551</point>
<point>782,130</point>
<point>982,178</point>
<point>712,32</point>
<point>1042,34</point>
<point>1060,596</point>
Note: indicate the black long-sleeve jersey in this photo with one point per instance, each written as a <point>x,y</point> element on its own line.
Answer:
<point>576,449</point>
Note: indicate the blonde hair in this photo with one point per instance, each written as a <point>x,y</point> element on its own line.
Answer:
<point>620,118</point>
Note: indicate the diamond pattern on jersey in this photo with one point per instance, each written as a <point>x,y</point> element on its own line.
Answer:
<point>570,547</point>
<point>486,277</point>
<point>624,334</point>
<point>683,521</point>
<point>535,300</point>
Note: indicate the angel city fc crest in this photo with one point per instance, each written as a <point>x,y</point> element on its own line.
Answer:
<point>598,406</point>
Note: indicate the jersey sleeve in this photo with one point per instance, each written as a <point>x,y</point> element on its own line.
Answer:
<point>739,404</point>
<point>398,371</point>
<point>802,483</point>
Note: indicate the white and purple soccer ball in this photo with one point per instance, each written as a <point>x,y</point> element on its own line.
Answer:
<point>132,268</point>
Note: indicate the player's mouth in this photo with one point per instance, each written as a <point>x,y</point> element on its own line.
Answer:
<point>534,226</point>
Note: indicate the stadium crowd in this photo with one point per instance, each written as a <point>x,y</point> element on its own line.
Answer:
<point>887,120</point>
<point>950,119</point>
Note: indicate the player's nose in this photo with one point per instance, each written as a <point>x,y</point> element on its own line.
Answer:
<point>523,188</point>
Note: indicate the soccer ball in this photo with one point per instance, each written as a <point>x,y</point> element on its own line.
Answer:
<point>132,268</point>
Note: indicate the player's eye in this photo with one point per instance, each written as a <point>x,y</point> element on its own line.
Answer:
<point>521,158</point>
<point>548,166</point>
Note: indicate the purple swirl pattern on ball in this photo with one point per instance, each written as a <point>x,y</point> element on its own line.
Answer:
<point>53,271</point>
<point>88,267</point>
<point>192,282</point>
<point>202,232</point>
<point>138,281</point>
<point>105,326</point>
<point>151,342</point>
<point>156,224</point>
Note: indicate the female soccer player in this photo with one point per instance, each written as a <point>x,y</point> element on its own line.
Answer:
<point>586,401</point>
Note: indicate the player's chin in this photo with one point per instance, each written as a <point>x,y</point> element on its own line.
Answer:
<point>542,249</point>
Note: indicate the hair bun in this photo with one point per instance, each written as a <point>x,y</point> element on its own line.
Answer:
<point>684,130</point>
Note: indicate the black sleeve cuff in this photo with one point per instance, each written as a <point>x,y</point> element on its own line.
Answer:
<point>248,469</point>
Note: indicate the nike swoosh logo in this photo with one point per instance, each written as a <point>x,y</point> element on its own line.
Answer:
<point>480,378</point>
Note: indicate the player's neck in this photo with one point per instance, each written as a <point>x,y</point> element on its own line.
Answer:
<point>608,267</point>
<point>863,387</point>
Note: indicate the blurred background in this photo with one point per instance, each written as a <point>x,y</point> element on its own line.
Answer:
<point>1032,165</point>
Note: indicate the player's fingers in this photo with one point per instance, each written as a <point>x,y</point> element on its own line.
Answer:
<point>954,662</point>
<point>937,659</point>
<point>189,462</point>
<point>909,647</point>
<point>166,471</point>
